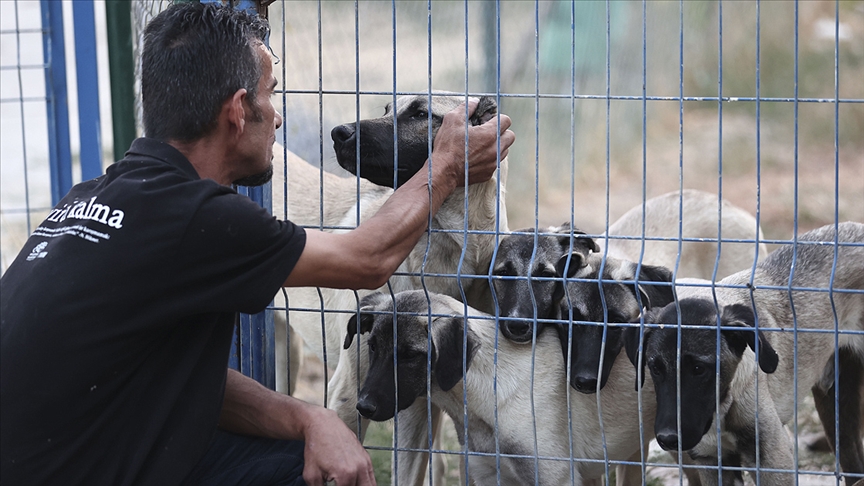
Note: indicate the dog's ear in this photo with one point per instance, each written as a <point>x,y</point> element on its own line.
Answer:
<point>366,321</point>
<point>369,303</point>
<point>581,241</point>
<point>448,350</point>
<point>582,246</point>
<point>742,316</point>
<point>631,342</point>
<point>486,110</point>
<point>577,261</point>
<point>631,346</point>
<point>655,295</point>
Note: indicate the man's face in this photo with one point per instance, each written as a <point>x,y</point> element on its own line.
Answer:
<point>262,120</point>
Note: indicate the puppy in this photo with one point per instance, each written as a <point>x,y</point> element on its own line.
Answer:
<point>444,251</point>
<point>789,291</point>
<point>492,397</point>
<point>577,313</point>
<point>521,287</point>
<point>850,379</point>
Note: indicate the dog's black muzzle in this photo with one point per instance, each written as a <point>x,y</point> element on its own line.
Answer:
<point>345,145</point>
<point>517,331</point>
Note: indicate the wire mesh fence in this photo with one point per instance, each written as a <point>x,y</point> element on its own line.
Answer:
<point>614,104</point>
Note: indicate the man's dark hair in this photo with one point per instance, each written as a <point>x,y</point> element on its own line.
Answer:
<point>195,57</point>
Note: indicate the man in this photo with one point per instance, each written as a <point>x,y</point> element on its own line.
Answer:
<point>116,318</point>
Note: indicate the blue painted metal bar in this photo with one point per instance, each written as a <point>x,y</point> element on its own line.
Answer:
<point>88,89</point>
<point>257,342</point>
<point>54,54</point>
<point>253,352</point>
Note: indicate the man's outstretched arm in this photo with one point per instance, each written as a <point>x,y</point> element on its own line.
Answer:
<point>332,452</point>
<point>367,256</point>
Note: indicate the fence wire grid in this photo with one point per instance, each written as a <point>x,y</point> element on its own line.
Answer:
<point>613,103</point>
<point>758,104</point>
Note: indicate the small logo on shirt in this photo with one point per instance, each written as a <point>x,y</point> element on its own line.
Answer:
<point>37,252</point>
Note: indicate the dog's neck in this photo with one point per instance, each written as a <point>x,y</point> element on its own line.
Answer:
<point>504,383</point>
<point>485,206</point>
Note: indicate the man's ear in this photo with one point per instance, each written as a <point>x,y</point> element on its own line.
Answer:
<point>235,112</point>
<point>742,316</point>
<point>447,344</point>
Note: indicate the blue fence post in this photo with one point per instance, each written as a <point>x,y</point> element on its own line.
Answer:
<point>253,352</point>
<point>56,99</point>
<point>88,89</point>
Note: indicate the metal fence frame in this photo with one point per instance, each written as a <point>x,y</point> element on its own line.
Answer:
<point>255,343</point>
<point>720,99</point>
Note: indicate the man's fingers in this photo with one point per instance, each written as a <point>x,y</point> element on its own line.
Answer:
<point>369,480</point>
<point>504,124</point>
<point>459,111</point>
<point>313,476</point>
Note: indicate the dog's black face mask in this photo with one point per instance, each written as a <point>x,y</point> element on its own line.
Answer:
<point>378,399</point>
<point>697,366</point>
<point>517,282</point>
<point>618,303</point>
<point>375,138</point>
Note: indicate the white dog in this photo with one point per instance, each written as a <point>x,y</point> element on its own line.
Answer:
<point>319,315</point>
<point>514,404</point>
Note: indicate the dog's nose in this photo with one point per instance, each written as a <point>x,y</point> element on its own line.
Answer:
<point>366,408</point>
<point>342,133</point>
<point>585,384</point>
<point>668,441</point>
<point>519,332</point>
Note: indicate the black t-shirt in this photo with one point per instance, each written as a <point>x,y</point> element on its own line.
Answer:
<point>116,322</point>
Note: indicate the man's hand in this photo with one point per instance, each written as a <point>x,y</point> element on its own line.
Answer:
<point>367,256</point>
<point>449,145</point>
<point>333,453</point>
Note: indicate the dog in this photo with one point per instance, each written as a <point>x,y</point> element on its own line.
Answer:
<point>732,245</point>
<point>493,408</point>
<point>313,312</point>
<point>560,252</point>
<point>850,379</point>
<point>777,296</point>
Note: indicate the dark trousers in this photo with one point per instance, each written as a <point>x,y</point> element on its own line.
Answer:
<point>237,460</point>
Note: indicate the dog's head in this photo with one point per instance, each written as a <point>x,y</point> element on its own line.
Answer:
<point>698,363</point>
<point>378,399</point>
<point>525,264</point>
<point>374,138</point>
<point>593,305</point>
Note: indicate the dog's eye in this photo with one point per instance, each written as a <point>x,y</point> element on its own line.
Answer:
<point>505,271</point>
<point>546,272</point>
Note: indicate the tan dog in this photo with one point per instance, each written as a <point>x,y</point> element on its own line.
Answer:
<point>440,254</point>
<point>814,288</point>
<point>699,213</point>
<point>518,402</point>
